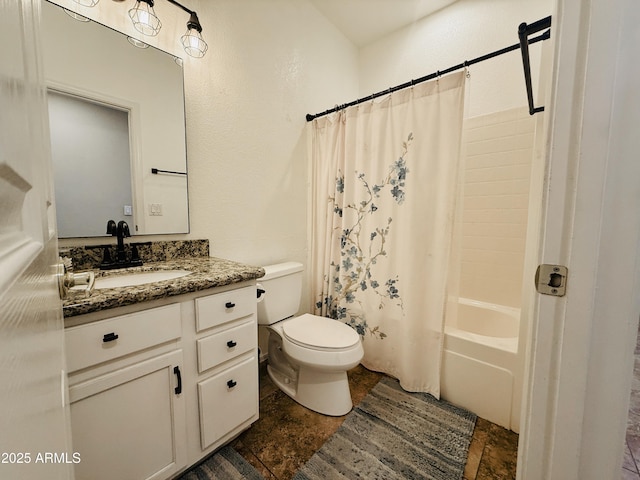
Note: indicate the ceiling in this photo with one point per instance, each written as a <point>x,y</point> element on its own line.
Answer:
<point>364,21</point>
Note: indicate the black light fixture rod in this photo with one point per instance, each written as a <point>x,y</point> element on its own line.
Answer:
<point>181,6</point>
<point>544,36</point>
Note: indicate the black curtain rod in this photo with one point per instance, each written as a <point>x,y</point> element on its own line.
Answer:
<point>544,36</point>
<point>524,31</point>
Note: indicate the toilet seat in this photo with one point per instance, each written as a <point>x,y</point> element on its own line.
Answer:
<point>319,333</point>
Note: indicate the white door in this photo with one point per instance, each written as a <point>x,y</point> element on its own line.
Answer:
<point>34,428</point>
<point>580,361</point>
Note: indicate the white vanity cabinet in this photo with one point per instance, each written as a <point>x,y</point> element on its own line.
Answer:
<point>128,418</point>
<point>155,391</point>
<point>227,364</point>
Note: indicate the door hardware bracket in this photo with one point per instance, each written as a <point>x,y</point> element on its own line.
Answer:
<point>551,279</point>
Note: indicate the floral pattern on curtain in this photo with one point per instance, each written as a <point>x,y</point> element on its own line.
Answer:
<point>360,250</point>
<point>384,178</point>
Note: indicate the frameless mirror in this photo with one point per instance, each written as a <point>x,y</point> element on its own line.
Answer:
<point>117,125</point>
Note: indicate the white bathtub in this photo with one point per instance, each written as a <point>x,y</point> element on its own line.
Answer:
<point>480,352</point>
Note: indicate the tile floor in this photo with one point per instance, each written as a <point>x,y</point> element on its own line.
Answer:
<point>631,461</point>
<point>287,435</point>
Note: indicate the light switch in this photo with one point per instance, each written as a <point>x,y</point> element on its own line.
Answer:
<point>128,210</point>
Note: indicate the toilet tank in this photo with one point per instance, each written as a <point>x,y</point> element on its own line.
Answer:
<point>282,284</point>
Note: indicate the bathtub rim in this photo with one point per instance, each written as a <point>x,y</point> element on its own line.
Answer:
<point>507,344</point>
<point>512,311</point>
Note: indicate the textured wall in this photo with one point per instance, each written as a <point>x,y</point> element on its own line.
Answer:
<point>270,63</point>
<point>459,32</point>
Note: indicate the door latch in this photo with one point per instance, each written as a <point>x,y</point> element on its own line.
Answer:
<point>551,279</point>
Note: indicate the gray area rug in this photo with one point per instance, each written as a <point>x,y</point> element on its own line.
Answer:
<point>225,464</point>
<point>393,434</point>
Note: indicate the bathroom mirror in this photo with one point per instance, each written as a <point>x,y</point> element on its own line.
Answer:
<point>134,168</point>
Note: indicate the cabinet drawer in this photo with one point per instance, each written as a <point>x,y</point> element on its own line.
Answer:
<point>227,400</point>
<point>225,307</point>
<point>223,346</point>
<point>98,342</point>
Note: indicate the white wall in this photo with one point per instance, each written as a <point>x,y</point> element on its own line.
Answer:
<point>462,31</point>
<point>269,64</point>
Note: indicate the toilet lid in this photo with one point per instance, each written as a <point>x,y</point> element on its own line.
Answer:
<point>320,332</point>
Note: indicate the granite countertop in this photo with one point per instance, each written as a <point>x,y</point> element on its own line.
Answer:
<point>208,272</point>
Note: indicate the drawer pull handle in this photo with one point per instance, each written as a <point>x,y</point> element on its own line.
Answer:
<point>229,305</point>
<point>178,389</point>
<point>231,384</point>
<point>231,344</point>
<point>109,337</point>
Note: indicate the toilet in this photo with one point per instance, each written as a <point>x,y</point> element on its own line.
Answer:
<point>308,355</point>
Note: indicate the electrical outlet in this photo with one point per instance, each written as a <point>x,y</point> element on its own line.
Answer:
<point>155,209</point>
<point>128,210</point>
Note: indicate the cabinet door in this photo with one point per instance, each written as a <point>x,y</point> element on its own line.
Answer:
<point>227,400</point>
<point>130,424</point>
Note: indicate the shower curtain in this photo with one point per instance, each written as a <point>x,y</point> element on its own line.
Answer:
<point>383,186</point>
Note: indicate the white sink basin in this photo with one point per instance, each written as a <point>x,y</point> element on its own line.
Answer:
<point>139,278</point>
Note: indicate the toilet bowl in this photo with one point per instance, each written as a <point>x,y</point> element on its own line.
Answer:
<point>308,355</point>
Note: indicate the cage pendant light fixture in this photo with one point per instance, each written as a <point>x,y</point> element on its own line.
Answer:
<point>146,21</point>
<point>192,41</point>
<point>144,18</point>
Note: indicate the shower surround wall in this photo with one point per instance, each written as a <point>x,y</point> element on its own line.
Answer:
<point>499,149</point>
<point>482,369</point>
